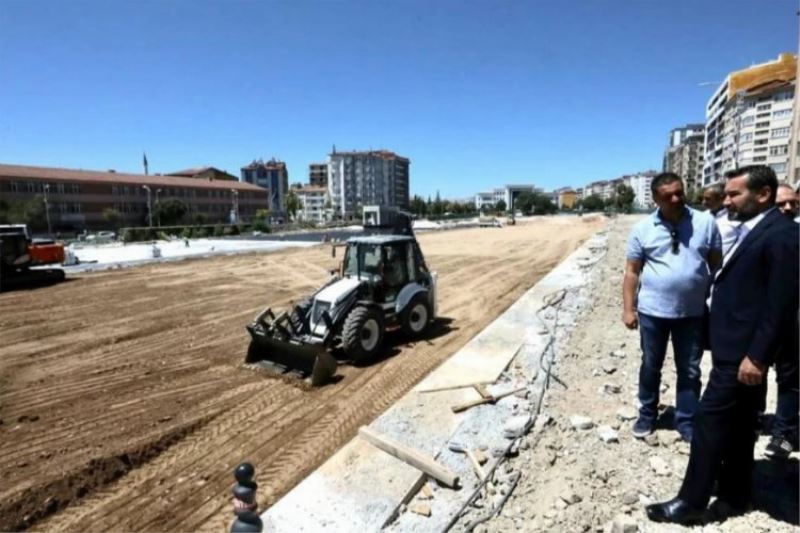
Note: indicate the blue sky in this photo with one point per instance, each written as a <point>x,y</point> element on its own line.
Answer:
<point>476,94</point>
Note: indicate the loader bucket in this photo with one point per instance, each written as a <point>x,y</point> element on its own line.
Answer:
<point>310,360</point>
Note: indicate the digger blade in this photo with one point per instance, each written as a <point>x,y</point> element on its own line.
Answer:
<point>310,360</point>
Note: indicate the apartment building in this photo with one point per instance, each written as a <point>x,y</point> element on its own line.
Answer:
<point>640,183</point>
<point>318,174</point>
<point>749,119</point>
<point>313,201</point>
<point>684,155</point>
<point>273,176</point>
<point>359,178</point>
<point>76,199</point>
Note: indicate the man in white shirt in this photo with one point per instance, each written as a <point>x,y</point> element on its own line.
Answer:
<point>713,196</point>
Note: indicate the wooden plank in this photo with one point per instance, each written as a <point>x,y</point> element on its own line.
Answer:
<point>480,401</point>
<point>483,391</point>
<point>476,465</point>
<point>455,387</point>
<point>410,456</point>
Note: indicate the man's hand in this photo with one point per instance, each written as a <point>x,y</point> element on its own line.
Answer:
<point>630,319</point>
<point>750,372</point>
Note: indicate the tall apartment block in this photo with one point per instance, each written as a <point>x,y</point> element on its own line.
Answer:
<point>271,175</point>
<point>376,177</point>
<point>318,174</point>
<point>749,117</point>
<point>684,155</point>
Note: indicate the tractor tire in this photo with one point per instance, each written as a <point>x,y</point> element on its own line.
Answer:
<point>362,333</point>
<point>299,316</point>
<point>416,316</point>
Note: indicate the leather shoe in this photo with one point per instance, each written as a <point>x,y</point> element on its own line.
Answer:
<point>675,511</point>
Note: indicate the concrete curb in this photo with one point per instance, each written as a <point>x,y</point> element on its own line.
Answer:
<point>363,488</point>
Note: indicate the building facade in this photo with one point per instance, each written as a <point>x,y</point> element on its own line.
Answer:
<point>204,173</point>
<point>507,194</point>
<point>640,183</point>
<point>77,199</point>
<point>684,155</point>
<point>318,174</point>
<point>273,176</point>
<point>356,179</point>
<point>313,201</point>
<point>748,119</point>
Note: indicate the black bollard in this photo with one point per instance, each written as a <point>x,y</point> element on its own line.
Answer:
<point>244,501</point>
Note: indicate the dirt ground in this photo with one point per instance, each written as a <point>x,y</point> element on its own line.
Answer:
<point>574,481</point>
<point>124,404</point>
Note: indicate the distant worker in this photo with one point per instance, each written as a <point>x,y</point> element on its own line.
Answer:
<point>787,201</point>
<point>713,198</point>
<point>671,255</point>
<point>785,430</point>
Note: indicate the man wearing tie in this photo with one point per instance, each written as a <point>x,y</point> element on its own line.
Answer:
<point>754,303</point>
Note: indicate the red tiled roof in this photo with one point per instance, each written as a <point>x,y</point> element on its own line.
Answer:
<point>95,176</point>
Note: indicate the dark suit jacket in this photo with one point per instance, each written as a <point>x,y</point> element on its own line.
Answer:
<point>754,310</point>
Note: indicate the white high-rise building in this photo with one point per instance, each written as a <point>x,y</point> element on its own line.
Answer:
<point>749,117</point>
<point>640,183</point>
<point>377,177</point>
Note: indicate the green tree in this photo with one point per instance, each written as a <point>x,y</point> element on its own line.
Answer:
<point>623,199</point>
<point>261,220</point>
<point>417,206</point>
<point>593,202</point>
<point>500,206</point>
<point>170,212</point>
<point>113,217</point>
<point>29,212</point>
<point>293,204</point>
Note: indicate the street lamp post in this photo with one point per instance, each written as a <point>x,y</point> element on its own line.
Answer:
<point>235,200</point>
<point>149,207</point>
<point>158,206</point>
<point>47,207</point>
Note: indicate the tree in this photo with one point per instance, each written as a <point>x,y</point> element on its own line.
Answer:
<point>543,204</point>
<point>170,212</point>
<point>623,199</point>
<point>113,217</point>
<point>417,206</point>
<point>261,220</point>
<point>500,206</point>
<point>293,204</point>
<point>31,213</point>
<point>593,202</point>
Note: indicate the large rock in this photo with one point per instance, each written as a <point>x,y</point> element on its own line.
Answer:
<point>659,466</point>
<point>627,413</point>
<point>607,434</point>
<point>581,422</point>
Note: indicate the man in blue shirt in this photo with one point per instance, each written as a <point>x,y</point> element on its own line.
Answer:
<point>671,256</point>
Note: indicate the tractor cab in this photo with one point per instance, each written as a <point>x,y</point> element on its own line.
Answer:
<point>386,262</point>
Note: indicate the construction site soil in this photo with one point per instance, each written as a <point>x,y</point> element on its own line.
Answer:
<point>125,404</point>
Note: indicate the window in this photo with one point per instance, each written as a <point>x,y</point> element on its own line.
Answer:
<point>747,121</point>
<point>763,107</point>
<point>759,142</point>
<point>779,150</point>
<point>779,167</point>
<point>780,132</point>
<point>747,137</point>
<point>764,124</point>
<point>760,159</point>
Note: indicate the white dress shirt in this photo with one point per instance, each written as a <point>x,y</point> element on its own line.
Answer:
<point>728,229</point>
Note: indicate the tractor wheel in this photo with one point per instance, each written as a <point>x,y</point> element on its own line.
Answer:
<point>299,316</point>
<point>362,333</point>
<point>416,316</point>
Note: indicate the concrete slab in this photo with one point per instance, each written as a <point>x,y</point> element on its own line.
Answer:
<point>361,487</point>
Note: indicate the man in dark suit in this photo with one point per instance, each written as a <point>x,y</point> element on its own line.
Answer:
<point>754,303</point>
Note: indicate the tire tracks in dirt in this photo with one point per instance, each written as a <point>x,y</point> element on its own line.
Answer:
<point>179,358</point>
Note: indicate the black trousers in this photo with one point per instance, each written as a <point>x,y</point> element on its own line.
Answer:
<point>723,440</point>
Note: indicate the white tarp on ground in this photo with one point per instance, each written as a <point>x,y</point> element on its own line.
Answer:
<point>102,256</point>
